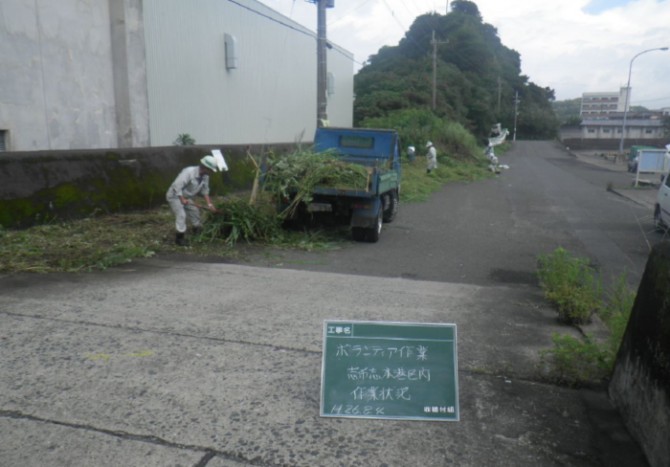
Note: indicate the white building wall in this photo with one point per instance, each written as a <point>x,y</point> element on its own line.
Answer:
<point>56,86</point>
<point>341,101</point>
<point>269,98</point>
<point>126,73</point>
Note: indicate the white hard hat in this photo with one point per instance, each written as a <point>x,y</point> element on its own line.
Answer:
<point>429,144</point>
<point>410,148</point>
<point>210,163</point>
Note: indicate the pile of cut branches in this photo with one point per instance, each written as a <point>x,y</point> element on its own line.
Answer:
<point>291,179</point>
<point>236,220</point>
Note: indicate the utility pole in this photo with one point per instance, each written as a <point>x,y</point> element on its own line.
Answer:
<point>499,94</point>
<point>434,43</point>
<point>516,112</point>
<point>322,67</point>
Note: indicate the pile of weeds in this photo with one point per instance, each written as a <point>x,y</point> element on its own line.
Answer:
<point>83,245</point>
<point>290,179</point>
<point>570,284</point>
<point>104,241</point>
<point>237,220</point>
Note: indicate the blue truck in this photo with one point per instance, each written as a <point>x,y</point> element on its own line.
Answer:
<point>378,150</point>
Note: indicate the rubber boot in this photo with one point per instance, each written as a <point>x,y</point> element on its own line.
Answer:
<point>180,240</point>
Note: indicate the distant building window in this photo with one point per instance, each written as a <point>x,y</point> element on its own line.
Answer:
<point>648,131</point>
<point>591,130</point>
<point>606,130</point>
<point>3,140</point>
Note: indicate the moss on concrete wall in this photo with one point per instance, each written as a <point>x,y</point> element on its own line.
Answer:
<point>47,185</point>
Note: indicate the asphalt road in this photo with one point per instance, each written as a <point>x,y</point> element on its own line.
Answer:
<point>491,232</point>
<point>186,363</point>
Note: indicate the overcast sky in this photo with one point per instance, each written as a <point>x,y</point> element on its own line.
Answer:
<point>571,46</point>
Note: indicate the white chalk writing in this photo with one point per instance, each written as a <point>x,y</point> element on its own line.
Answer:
<point>352,409</point>
<point>355,373</point>
<point>405,352</point>
<point>377,393</point>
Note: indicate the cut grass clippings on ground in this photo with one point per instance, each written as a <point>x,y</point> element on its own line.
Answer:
<point>103,241</point>
<point>98,243</point>
<point>83,245</point>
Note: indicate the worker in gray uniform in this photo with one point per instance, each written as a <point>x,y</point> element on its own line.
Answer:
<point>191,182</point>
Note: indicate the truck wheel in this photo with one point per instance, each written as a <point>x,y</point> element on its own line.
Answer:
<point>374,232</point>
<point>391,202</point>
<point>370,234</point>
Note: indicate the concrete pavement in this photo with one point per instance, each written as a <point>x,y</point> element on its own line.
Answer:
<point>162,363</point>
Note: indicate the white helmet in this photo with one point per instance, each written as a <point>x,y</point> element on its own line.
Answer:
<point>210,163</point>
<point>429,144</point>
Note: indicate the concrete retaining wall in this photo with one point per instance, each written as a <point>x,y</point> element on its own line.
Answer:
<point>39,186</point>
<point>585,144</point>
<point>640,386</point>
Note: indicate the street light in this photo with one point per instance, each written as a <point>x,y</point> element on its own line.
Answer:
<point>625,107</point>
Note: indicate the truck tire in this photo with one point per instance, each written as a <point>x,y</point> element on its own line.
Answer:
<point>391,201</point>
<point>369,234</point>
<point>375,232</point>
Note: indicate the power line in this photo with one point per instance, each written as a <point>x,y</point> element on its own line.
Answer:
<point>345,15</point>
<point>653,100</point>
<point>289,26</point>
<point>394,16</point>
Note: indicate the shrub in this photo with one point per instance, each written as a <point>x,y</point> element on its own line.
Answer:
<point>571,285</point>
<point>578,361</point>
<point>417,126</point>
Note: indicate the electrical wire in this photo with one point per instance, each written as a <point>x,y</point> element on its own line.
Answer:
<point>289,26</point>
<point>345,14</point>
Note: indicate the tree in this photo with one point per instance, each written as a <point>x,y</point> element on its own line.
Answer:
<point>477,76</point>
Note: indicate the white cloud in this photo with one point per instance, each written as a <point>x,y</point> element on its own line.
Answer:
<point>562,45</point>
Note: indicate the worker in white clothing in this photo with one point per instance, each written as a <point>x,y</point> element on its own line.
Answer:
<point>191,182</point>
<point>431,157</point>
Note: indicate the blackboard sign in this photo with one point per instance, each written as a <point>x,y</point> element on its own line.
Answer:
<point>389,370</point>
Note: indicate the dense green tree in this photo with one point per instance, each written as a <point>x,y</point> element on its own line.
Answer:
<point>477,77</point>
<point>568,111</point>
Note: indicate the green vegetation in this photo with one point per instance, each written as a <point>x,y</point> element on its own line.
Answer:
<point>568,111</point>
<point>571,285</point>
<point>102,241</point>
<point>83,245</point>
<point>477,78</point>
<point>293,177</point>
<point>184,139</point>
